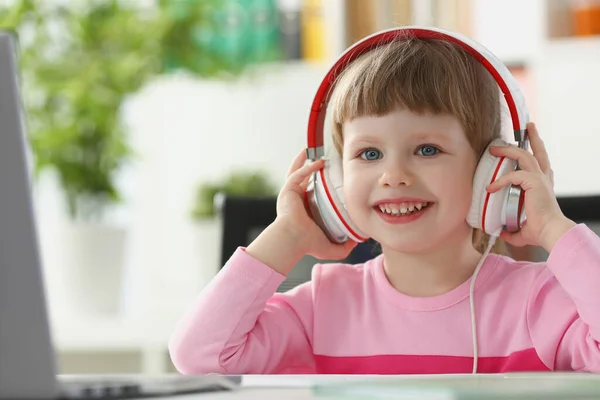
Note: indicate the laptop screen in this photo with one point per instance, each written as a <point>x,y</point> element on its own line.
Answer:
<point>27,365</point>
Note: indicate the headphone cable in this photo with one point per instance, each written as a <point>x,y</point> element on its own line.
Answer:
<point>491,242</point>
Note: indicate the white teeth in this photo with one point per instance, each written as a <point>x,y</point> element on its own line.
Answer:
<point>395,209</point>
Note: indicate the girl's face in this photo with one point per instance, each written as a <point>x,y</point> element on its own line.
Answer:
<point>408,179</point>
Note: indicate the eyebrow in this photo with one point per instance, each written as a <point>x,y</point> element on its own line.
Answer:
<point>363,139</point>
<point>369,137</point>
<point>432,135</point>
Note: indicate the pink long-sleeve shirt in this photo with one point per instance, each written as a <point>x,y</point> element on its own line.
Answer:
<point>349,319</point>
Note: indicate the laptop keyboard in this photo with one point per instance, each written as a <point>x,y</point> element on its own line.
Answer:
<point>142,387</point>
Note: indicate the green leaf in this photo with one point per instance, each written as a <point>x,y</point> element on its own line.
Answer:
<point>247,183</point>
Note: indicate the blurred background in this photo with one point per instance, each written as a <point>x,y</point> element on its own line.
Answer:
<point>140,111</point>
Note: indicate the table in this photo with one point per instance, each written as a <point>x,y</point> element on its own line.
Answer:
<point>300,387</point>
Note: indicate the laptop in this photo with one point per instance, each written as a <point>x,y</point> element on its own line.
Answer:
<point>27,356</point>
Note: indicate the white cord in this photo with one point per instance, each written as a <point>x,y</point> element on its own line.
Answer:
<point>472,301</point>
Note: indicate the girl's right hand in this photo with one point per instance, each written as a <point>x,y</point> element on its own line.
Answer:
<point>292,213</point>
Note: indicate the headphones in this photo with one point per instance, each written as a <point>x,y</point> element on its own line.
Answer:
<point>490,212</point>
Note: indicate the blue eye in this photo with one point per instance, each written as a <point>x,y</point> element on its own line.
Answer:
<point>428,150</point>
<point>370,154</point>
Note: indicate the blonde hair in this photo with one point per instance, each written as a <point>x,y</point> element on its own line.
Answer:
<point>421,75</point>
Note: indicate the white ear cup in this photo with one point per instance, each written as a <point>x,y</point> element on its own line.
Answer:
<point>334,174</point>
<point>333,181</point>
<point>488,210</point>
<point>322,212</point>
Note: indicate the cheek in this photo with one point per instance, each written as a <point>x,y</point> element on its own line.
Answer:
<point>456,188</point>
<point>350,187</point>
<point>355,190</point>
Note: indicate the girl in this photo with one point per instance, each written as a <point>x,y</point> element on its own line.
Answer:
<point>411,119</point>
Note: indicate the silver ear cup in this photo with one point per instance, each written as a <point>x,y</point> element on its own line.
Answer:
<point>322,214</point>
<point>514,216</point>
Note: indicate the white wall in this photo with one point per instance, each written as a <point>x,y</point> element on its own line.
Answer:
<point>511,29</point>
<point>567,85</point>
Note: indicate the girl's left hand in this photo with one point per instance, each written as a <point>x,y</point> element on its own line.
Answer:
<point>545,223</point>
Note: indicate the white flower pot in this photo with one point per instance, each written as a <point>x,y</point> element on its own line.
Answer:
<point>92,264</point>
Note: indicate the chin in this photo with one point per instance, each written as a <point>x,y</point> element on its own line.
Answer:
<point>406,246</point>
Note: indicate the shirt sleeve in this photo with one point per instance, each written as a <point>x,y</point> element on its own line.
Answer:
<point>239,325</point>
<point>564,307</point>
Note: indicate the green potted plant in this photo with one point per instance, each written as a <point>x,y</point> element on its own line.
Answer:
<point>204,212</point>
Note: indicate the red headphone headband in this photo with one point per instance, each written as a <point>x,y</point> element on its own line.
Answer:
<point>509,87</point>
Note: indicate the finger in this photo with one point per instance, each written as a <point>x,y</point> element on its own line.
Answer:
<point>304,184</point>
<point>520,178</point>
<point>518,238</point>
<point>297,163</point>
<point>539,148</point>
<point>303,173</point>
<point>515,239</point>
<point>525,159</point>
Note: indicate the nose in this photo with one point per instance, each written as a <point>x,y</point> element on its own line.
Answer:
<point>397,173</point>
